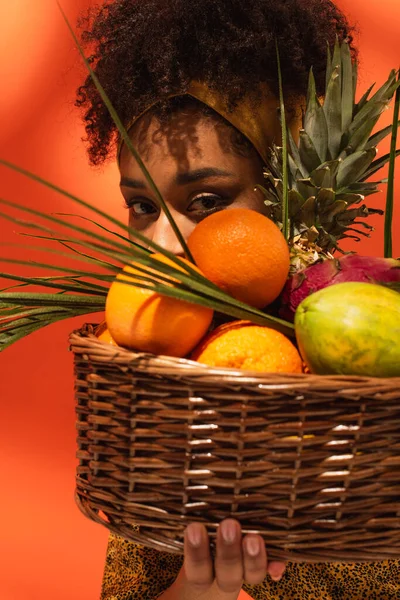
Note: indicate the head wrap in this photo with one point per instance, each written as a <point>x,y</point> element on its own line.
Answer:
<point>258,122</point>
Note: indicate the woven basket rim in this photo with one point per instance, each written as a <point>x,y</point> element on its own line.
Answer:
<point>83,340</point>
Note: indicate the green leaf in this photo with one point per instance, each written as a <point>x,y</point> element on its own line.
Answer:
<point>355,80</point>
<point>380,135</point>
<point>329,67</point>
<point>377,165</point>
<point>390,188</point>
<point>285,198</point>
<point>359,138</point>
<point>363,100</point>
<point>43,281</point>
<point>308,211</point>
<point>296,201</point>
<point>232,307</point>
<point>294,149</point>
<point>332,110</point>
<point>306,188</point>
<point>353,167</point>
<point>308,154</point>
<point>335,209</point>
<point>383,95</point>
<point>325,199</point>
<point>93,304</point>
<point>314,121</point>
<point>350,198</point>
<point>347,86</point>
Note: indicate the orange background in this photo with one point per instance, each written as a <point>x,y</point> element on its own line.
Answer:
<point>48,549</point>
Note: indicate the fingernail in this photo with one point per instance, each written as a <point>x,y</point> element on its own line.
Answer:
<point>276,575</point>
<point>252,546</point>
<point>194,534</point>
<point>229,531</point>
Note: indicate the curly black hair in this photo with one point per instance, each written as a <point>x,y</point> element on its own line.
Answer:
<point>144,50</point>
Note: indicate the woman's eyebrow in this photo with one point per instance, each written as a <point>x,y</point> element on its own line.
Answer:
<point>198,174</point>
<point>132,183</point>
<point>181,178</point>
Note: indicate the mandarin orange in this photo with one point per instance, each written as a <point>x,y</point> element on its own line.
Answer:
<point>147,321</point>
<point>244,345</point>
<point>242,252</point>
<point>103,334</point>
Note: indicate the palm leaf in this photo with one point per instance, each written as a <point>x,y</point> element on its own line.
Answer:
<point>285,198</point>
<point>390,188</point>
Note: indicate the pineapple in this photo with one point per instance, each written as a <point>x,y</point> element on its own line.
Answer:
<point>328,168</point>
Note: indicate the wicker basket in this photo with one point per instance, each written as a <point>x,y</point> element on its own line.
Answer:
<point>312,463</point>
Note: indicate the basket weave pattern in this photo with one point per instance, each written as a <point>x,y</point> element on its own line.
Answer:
<point>311,463</point>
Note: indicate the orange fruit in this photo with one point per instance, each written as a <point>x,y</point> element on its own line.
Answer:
<point>103,334</point>
<point>147,321</point>
<point>243,345</point>
<point>244,253</point>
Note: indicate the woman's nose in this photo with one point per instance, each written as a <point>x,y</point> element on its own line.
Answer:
<point>164,235</point>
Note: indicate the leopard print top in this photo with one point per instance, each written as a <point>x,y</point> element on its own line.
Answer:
<point>133,572</point>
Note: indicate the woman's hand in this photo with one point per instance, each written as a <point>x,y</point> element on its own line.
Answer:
<point>237,560</point>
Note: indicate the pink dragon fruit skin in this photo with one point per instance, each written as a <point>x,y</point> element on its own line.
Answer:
<point>351,267</point>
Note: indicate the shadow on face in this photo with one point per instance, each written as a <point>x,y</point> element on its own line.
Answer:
<point>199,163</point>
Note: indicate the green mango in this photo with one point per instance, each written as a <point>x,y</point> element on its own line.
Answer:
<point>350,329</point>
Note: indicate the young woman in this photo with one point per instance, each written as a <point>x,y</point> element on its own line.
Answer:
<point>196,86</point>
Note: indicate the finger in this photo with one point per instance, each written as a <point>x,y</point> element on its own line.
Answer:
<point>276,569</point>
<point>254,559</point>
<point>229,558</point>
<point>197,562</point>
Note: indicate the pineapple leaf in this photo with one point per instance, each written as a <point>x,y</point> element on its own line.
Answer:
<point>332,110</point>
<point>325,174</point>
<point>380,135</point>
<point>294,149</point>
<point>306,188</point>
<point>383,95</point>
<point>296,201</point>
<point>308,211</point>
<point>314,121</point>
<point>329,62</point>
<point>355,79</point>
<point>350,198</point>
<point>308,154</point>
<point>335,209</point>
<point>347,86</point>
<point>377,165</point>
<point>354,166</point>
<point>325,199</point>
<point>363,100</point>
<point>359,138</point>
<point>321,177</point>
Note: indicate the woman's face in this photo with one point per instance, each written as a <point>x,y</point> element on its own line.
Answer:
<point>196,170</point>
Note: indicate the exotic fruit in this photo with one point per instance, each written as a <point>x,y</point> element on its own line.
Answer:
<point>352,267</point>
<point>350,329</point>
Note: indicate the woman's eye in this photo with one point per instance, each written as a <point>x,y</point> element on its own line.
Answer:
<point>141,208</point>
<point>207,202</point>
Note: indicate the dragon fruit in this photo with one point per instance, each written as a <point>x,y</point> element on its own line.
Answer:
<point>350,268</point>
